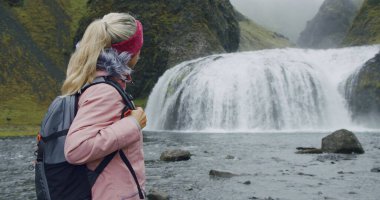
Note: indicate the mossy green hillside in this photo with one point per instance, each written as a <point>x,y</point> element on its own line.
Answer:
<point>42,25</point>
<point>365,29</point>
<point>255,37</point>
<point>24,89</point>
<point>30,74</point>
<point>20,115</point>
<point>75,9</point>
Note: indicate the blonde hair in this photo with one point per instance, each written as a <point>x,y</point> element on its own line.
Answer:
<point>100,34</point>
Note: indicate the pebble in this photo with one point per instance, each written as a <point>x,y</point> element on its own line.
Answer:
<point>377,169</point>
<point>247,183</point>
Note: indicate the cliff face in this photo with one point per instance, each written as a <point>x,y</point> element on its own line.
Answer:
<point>328,28</point>
<point>366,25</point>
<point>363,93</point>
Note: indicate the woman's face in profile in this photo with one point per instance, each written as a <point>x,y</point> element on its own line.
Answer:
<point>131,64</point>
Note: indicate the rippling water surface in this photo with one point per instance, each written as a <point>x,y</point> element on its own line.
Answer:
<point>267,160</point>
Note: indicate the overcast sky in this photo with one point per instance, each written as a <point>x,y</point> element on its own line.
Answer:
<point>287,17</point>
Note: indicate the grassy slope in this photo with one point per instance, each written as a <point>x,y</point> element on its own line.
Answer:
<point>38,35</point>
<point>255,37</point>
<point>366,25</point>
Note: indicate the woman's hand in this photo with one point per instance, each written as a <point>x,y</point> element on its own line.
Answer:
<point>140,116</point>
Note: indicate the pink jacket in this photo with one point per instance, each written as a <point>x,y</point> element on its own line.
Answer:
<point>97,131</point>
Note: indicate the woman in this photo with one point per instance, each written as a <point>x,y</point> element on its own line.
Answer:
<point>110,47</point>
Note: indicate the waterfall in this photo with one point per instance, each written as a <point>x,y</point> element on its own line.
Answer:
<point>278,89</point>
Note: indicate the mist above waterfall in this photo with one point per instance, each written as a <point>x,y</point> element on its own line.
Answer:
<point>287,17</point>
<point>280,89</point>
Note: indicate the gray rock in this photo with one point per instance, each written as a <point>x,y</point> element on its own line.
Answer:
<point>375,169</point>
<point>342,141</point>
<point>247,183</point>
<point>175,155</point>
<point>157,195</point>
<point>230,157</point>
<point>303,174</point>
<point>221,174</point>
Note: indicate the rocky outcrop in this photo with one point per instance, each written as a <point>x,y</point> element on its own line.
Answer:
<point>175,155</point>
<point>341,141</point>
<point>331,24</point>
<point>366,25</point>
<point>363,93</point>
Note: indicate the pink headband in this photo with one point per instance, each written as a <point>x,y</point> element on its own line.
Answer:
<point>133,44</point>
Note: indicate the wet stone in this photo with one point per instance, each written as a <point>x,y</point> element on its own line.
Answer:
<point>175,155</point>
<point>247,183</point>
<point>377,169</point>
<point>154,194</point>
<point>303,174</point>
<point>221,174</point>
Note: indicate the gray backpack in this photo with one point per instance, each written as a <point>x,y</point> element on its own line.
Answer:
<point>55,178</point>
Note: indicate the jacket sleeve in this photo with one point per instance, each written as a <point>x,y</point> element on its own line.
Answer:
<point>97,129</point>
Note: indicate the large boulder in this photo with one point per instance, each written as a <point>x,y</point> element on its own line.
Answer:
<point>341,141</point>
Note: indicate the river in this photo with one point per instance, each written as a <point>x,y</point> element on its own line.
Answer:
<point>266,159</point>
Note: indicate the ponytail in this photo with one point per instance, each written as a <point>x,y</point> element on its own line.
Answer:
<point>82,65</point>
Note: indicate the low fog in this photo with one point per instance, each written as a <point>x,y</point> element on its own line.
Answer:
<point>287,17</point>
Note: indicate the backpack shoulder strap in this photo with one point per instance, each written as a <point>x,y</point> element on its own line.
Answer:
<point>127,98</point>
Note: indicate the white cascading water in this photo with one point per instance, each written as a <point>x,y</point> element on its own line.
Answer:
<point>278,89</point>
